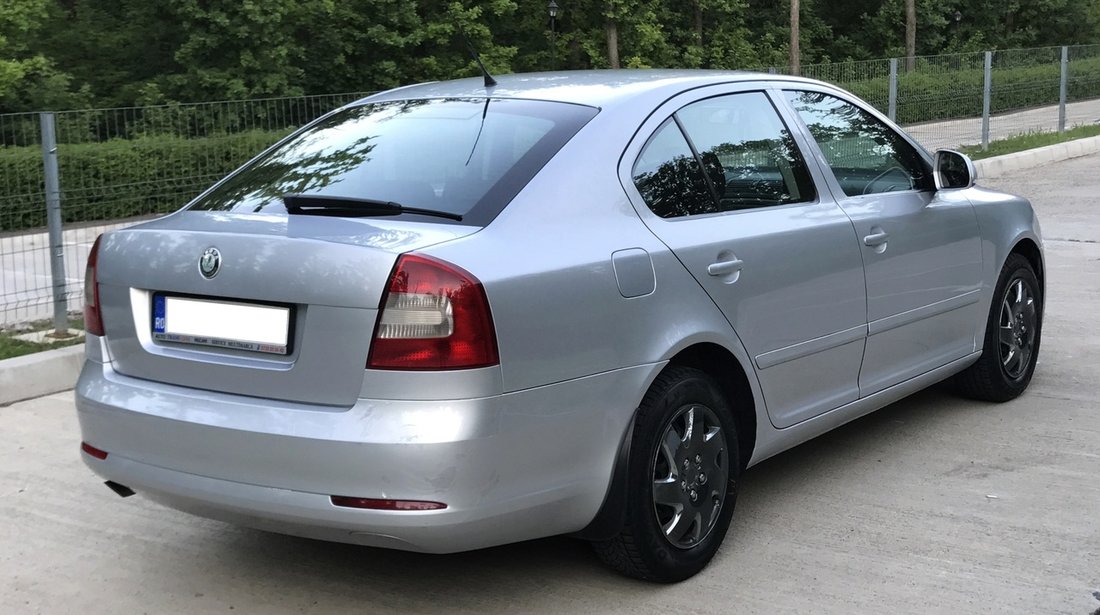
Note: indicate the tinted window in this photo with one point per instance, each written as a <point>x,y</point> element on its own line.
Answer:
<point>866,155</point>
<point>757,162</point>
<point>457,155</point>
<point>669,178</point>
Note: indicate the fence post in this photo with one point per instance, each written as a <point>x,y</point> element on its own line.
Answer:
<point>892,108</point>
<point>53,220</point>
<point>987,91</point>
<point>1062,90</point>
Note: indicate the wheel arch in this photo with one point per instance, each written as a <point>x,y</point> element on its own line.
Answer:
<point>731,375</point>
<point>724,367</point>
<point>1030,250</point>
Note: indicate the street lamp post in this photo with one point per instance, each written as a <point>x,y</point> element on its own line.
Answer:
<point>552,8</point>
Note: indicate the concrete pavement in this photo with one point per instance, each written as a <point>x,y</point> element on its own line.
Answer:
<point>932,505</point>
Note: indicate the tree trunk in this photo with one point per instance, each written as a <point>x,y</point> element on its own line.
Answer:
<point>612,43</point>
<point>698,22</point>
<point>910,35</point>
<point>795,61</point>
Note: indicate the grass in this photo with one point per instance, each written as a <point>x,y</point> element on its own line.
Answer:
<point>10,346</point>
<point>1030,140</point>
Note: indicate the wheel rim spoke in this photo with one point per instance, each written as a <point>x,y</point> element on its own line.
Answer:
<point>1008,336</point>
<point>1007,315</point>
<point>667,492</point>
<point>670,446</point>
<point>693,430</point>
<point>677,529</point>
<point>713,446</point>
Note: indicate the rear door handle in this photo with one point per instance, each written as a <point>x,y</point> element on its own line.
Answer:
<point>725,267</point>
<point>876,239</point>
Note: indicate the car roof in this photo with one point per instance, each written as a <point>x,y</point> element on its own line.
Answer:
<point>596,88</point>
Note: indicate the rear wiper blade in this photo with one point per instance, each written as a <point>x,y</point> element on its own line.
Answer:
<point>321,205</point>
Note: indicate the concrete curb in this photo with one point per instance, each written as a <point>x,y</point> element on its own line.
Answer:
<point>53,371</point>
<point>1028,159</point>
<point>38,374</point>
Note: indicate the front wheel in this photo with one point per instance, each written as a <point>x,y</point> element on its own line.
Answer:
<point>1012,335</point>
<point>682,480</point>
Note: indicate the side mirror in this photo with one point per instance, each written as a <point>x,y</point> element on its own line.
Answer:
<point>953,169</point>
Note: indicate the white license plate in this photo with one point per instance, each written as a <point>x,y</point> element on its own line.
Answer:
<point>242,326</point>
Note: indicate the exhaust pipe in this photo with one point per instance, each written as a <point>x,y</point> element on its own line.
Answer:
<point>122,490</point>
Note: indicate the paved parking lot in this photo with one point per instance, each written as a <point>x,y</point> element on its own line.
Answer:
<point>933,505</point>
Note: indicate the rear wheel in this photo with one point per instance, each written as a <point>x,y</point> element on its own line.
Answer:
<point>682,480</point>
<point>1012,335</point>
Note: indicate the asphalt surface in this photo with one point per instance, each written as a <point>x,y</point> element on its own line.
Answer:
<point>932,505</point>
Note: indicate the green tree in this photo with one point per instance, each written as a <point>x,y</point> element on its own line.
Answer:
<point>28,78</point>
<point>235,49</point>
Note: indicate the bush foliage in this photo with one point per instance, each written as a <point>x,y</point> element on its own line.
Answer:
<point>122,178</point>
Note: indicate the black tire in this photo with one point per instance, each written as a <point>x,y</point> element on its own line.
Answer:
<point>999,376</point>
<point>680,396</point>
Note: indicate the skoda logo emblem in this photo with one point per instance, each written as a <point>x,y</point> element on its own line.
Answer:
<point>210,262</point>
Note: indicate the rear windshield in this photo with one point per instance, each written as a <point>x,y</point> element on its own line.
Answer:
<point>465,156</point>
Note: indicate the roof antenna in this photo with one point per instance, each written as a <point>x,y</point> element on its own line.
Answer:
<point>489,81</point>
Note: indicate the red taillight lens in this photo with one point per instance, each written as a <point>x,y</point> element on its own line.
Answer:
<point>434,316</point>
<point>377,504</point>
<point>93,319</point>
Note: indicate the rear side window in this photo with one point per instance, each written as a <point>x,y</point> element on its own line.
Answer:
<point>464,156</point>
<point>722,154</point>
<point>668,176</point>
<point>866,155</point>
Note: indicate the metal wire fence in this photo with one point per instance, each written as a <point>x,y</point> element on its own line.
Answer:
<point>24,256</point>
<point>939,101</point>
<point>118,166</point>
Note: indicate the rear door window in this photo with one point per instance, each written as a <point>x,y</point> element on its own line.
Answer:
<point>722,154</point>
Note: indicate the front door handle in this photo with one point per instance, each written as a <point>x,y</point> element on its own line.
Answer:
<point>876,239</point>
<point>725,267</point>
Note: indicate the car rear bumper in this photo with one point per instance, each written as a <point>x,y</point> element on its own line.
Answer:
<point>509,467</point>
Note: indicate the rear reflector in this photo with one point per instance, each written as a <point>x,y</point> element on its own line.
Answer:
<point>375,504</point>
<point>93,451</point>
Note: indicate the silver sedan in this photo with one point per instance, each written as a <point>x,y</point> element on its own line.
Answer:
<point>454,315</point>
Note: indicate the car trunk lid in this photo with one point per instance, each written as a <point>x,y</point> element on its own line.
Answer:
<point>324,276</point>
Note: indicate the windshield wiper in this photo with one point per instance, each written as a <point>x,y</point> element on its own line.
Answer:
<point>321,205</point>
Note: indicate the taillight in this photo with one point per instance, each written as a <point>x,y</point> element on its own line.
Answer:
<point>93,319</point>
<point>434,316</point>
